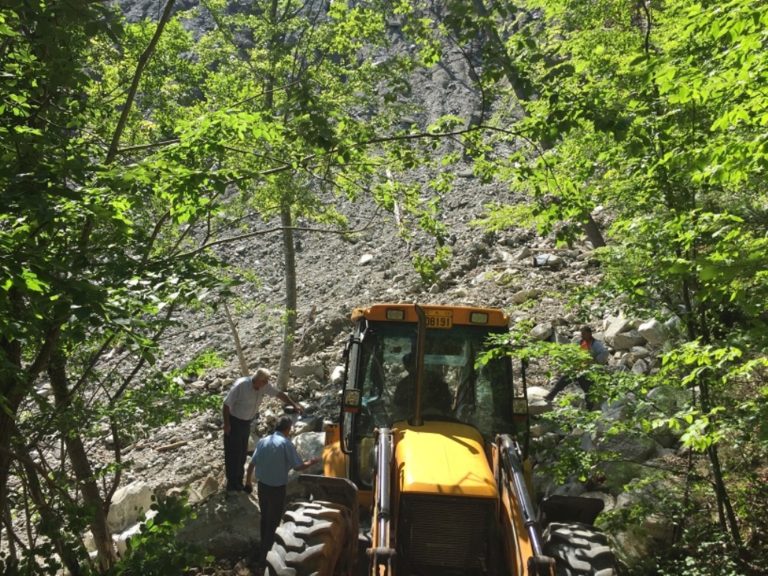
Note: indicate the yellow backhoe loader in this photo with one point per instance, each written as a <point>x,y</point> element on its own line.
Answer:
<point>427,471</point>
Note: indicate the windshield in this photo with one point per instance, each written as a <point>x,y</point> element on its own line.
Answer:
<point>455,388</point>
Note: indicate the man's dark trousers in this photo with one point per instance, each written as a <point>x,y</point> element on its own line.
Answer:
<point>582,381</point>
<point>236,451</point>
<point>271,502</point>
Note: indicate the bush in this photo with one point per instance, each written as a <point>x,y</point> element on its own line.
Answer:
<point>156,550</point>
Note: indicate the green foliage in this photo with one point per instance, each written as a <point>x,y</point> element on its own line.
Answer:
<point>630,115</point>
<point>727,375</point>
<point>158,400</point>
<point>560,358</point>
<point>200,364</point>
<point>107,218</point>
<point>568,461</point>
<point>157,550</point>
<point>654,112</point>
<point>430,267</point>
<point>90,256</point>
<point>704,554</point>
<point>502,217</point>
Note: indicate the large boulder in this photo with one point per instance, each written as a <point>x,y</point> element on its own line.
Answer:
<point>121,540</point>
<point>615,326</point>
<point>648,533</point>
<point>627,340</point>
<point>203,489</point>
<point>129,504</point>
<point>536,402</point>
<point>225,526</point>
<point>669,399</point>
<point>337,375</point>
<point>653,331</point>
<point>618,474</point>
<point>609,501</point>
<point>524,295</point>
<point>640,367</point>
<point>309,445</point>
<point>542,331</point>
<point>308,369</point>
<point>630,447</point>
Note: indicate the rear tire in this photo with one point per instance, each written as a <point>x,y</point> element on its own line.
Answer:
<point>312,539</point>
<point>579,550</point>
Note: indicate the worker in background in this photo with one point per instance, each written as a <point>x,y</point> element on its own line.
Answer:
<point>599,354</point>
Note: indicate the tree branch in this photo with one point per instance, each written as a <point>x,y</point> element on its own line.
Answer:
<point>279,229</point>
<point>143,60</point>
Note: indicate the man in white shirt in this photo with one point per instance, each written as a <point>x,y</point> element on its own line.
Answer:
<point>240,407</point>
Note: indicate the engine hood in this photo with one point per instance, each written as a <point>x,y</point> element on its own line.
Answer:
<point>443,458</point>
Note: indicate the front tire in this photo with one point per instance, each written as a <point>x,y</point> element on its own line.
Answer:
<point>312,539</point>
<point>579,550</point>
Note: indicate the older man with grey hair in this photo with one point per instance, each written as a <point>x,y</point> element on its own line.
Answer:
<point>240,407</point>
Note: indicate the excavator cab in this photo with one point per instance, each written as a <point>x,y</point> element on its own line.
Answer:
<point>390,368</point>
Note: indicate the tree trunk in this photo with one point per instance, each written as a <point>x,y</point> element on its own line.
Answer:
<point>81,466</point>
<point>50,521</point>
<point>726,513</point>
<point>592,232</point>
<point>289,249</point>
<point>14,387</point>
<point>6,431</point>
<point>12,556</point>
<point>289,322</point>
<point>725,507</point>
<point>11,392</point>
<point>238,346</point>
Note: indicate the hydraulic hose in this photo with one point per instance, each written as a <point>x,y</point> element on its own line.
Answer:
<point>381,549</point>
<point>513,465</point>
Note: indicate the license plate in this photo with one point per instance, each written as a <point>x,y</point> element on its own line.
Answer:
<point>439,319</point>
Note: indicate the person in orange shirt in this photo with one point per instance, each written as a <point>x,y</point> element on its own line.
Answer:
<point>599,354</point>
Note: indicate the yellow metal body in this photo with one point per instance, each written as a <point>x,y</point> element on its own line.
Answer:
<point>336,463</point>
<point>444,458</point>
<point>463,315</point>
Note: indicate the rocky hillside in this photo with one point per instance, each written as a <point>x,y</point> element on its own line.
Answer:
<point>516,270</point>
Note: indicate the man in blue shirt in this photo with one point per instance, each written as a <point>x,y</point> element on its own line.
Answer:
<point>274,456</point>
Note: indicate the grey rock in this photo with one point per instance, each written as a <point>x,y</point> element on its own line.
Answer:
<point>548,261</point>
<point>128,505</point>
<point>541,331</point>
<point>640,367</point>
<point>627,340</point>
<point>613,327</point>
<point>524,295</point>
<point>653,331</point>
<point>226,526</point>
